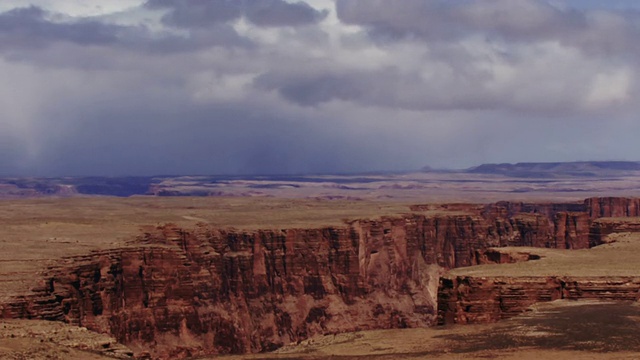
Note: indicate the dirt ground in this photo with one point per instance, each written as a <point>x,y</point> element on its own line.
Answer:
<point>556,330</point>
<point>619,257</point>
<point>563,329</point>
<point>40,340</point>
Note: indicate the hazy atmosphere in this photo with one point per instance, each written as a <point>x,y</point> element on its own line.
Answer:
<point>130,87</point>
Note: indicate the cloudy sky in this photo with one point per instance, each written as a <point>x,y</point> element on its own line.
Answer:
<point>142,87</point>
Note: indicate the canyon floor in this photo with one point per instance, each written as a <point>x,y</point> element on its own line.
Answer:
<point>51,340</point>
<point>572,330</point>
<point>555,330</point>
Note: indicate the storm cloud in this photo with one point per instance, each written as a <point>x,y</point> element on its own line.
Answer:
<point>28,27</point>
<point>202,14</point>
<point>275,86</point>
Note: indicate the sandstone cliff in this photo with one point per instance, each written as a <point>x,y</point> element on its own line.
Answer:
<point>487,297</point>
<point>469,299</point>
<point>188,292</point>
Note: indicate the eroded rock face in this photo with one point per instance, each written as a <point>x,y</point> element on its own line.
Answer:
<point>208,291</point>
<point>612,207</point>
<point>188,292</point>
<point>468,299</point>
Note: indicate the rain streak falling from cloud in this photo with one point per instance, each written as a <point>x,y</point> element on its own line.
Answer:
<point>275,86</point>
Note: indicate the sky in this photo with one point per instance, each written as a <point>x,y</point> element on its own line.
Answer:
<point>150,87</point>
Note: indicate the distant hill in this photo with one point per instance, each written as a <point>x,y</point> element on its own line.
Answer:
<point>520,178</point>
<point>71,186</point>
<point>577,168</point>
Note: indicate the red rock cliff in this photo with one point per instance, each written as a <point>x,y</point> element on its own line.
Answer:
<point>187,292</point>
<point>612,207</point>
<point>467,299</point>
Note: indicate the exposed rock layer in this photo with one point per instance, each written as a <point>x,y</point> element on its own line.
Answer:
<point>188,292</point>
<point>467,299</point>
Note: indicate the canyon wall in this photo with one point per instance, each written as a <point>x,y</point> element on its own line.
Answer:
<point>468,299</point>
<point>189,292</point>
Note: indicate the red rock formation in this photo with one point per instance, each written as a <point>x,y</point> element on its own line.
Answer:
<point>466,299</point>
<point>571,230</point>
<point>495,256</point>
<point>601,229</point>
<point>612,207</point>
<point>188,292</point>
<point>206,291</point>
<point>469,299</point>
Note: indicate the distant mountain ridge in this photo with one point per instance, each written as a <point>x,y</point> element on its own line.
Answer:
<point>545,169</point>
<point>351,186</point>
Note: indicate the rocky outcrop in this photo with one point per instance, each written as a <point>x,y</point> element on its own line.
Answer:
<point>208,291</point>
<point>572,230</point>
<point>612,207</point>
<point>496,256</point>
<point>468,299</point>
<point>190,292</point>
<point>474,299</point>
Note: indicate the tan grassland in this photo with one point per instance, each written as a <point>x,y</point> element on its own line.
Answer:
<point>36,232</point>
<point>617,258</point>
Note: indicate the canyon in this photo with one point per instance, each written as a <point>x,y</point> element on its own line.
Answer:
<point>186,289</point>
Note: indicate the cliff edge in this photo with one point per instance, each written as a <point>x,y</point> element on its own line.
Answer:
<point>181,291</point>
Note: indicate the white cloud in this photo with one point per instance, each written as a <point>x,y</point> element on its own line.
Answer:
<point>609,89</point>
<point>75,8</point>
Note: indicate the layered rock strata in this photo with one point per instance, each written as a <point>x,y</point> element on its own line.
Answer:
<point>469,299</point>
<point>477,299</point>
<point>189,292</point>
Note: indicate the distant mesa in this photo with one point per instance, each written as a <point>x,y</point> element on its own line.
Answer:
<point>425,182</point>
<point>547,169</point>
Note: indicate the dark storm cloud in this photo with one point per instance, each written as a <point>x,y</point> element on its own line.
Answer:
<point>28,27</point>
<point>598,32</point>
<point>197,13</point>
<point>313,89</point>
<point>184,87</point>
<point>281,13</point>
<point>202,14</point>
<point>31,29</point>
<point>180,138</point>
<point>482,55</point>
<point>12,155</point>
<point>425,18</point>
<point>449,20</point>
<point>386,87</point>
<point>459,85</point>
<point>218,35</point>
